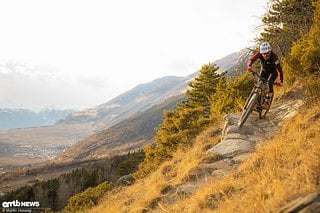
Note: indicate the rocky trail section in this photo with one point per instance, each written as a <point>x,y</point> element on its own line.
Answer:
<point>236,142</point>
<point>236,145</point>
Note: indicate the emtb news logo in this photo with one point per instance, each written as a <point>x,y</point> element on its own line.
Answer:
<point>19,206</point>
<point>17,203</point>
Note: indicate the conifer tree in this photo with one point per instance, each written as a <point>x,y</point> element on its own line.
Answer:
<point>203,86</point>
<point>285,22</point>
<point>181,125</point>
<point>303,62</point>
<point>230,95</point>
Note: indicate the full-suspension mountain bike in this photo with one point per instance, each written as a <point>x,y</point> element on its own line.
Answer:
<point>257,99</point>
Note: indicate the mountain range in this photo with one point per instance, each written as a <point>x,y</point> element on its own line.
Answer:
<point>105,129</point>
<point>135,100</point>
<point>22,118</point>
<point>147,95</point>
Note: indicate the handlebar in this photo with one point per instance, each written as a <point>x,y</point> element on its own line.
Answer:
<point>263,79</point>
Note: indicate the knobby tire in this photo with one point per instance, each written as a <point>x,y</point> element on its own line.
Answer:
<point>247,110</point>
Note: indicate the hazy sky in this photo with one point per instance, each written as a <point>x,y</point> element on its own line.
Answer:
<point>81,53</point>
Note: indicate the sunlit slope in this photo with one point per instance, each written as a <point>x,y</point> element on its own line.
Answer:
<point>277,172</point>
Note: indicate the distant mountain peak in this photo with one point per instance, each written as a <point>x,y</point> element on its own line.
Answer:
<point>144,96</point>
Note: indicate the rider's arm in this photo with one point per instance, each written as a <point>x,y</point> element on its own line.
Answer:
<point>252,60</point>
<point>278,67</point>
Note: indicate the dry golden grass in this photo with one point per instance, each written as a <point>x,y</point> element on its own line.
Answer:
<point>147,193</point>
<point>278,172</point>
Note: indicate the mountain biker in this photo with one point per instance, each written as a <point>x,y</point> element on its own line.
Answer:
<point>271,67</point>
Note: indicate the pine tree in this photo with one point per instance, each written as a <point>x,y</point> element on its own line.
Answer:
<point>203,86</point>
<point>181,125</point>
<point>303,62</point>
<point>285,22</point>
<point>230,95</point>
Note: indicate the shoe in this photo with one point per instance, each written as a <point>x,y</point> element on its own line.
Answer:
<point>254,107</point>
<point>266,105</point>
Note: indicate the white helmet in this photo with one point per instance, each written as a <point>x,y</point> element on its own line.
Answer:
<point>265,47</point>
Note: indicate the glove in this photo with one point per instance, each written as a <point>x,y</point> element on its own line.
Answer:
<point>249,69</point>
<point>279,84</point>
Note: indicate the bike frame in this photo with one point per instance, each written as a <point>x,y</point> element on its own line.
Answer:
<point>261,88</point>
<point>256,99</point>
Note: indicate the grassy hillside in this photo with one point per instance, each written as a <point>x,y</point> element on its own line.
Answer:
<point>279,171</point>
<point>146,193</point>
<point>128,135</point>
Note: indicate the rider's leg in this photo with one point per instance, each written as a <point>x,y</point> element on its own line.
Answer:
<point>272,79</point>
<point>269,76</point>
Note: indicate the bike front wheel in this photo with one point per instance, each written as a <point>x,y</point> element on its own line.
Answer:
<point>248,109</point>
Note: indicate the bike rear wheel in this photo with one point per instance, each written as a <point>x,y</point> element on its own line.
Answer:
<point>248,109</point>
<point>264,111</point>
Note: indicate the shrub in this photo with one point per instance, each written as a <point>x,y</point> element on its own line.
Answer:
<point>87,199</point>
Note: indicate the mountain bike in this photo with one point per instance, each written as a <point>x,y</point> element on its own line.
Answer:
<point>256,100</point>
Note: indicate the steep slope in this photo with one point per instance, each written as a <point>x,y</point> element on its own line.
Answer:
<point>238,164</point>
<point>131,134</point>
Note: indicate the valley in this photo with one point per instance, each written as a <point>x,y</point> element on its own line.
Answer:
<point>28,146</point>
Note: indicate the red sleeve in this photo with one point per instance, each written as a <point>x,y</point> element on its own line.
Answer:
<point>278,67</point>
<point>253,59</point>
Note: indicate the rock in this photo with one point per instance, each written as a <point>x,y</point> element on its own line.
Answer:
<point>235,136</point>
<point>167,189</point>
<point>219,173</point>
<point>255,139</point>
<point>232,147</point>
<point>196,174</point>
<point>307,204</point>
<point>126,180</point>
<point>265,124</point>
<point>231,119</point>
<point>246,130</point>
<point>186,190</point>
<point>290,114</point>
<point>258,133</point>
<point>241,158</point>
<point>222,164</point>
<point>211,157</point>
